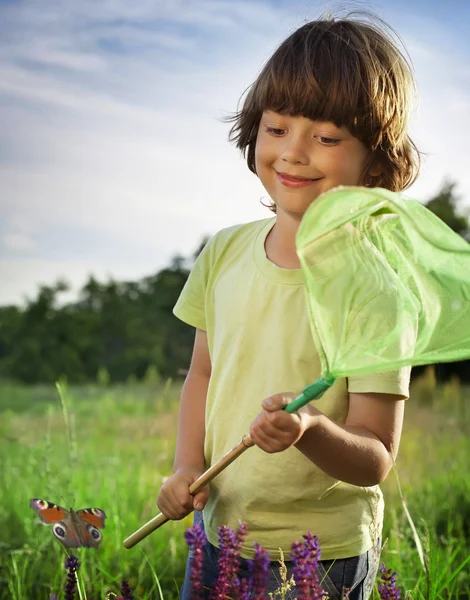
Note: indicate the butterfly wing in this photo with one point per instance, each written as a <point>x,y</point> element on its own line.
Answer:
<point>60,519</point>
<point>88,523</point>
<point>92,516</point>
<point>68,533</point>
<point>72,529</point>
<point>48,511</point>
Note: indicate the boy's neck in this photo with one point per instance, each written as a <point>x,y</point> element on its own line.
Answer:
<point>280,242</point>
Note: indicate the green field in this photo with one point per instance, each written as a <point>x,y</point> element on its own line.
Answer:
<point>111,446</point>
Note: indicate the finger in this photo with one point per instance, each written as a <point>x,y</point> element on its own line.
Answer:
<point>267,443</point>
<point>162,502</point>
<point>167,510</point>
<point>265,438</point>
<point>276,402</point>
<point>200,499</point>
<point>176,513</point>
<point>182,498</point>
<point>259,439</point>
<point>173,508</point>
<point>260,425</point>
<point>276,436</point>
<point>273,425</point>
<point>281,420</point>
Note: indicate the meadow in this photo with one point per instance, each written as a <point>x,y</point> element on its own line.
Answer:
<point>111,446</point>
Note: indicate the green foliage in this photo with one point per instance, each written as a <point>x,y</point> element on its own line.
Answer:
<point>116,330</point>
<point>446,206</point>
<point>82,447</point>
<point>125,331</point>
<point>110,447</point>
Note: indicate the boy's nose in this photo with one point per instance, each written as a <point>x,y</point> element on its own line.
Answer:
<point>295,152</point>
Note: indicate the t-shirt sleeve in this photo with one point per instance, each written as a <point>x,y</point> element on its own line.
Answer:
<point>392,382</point>
<point>191,304</point>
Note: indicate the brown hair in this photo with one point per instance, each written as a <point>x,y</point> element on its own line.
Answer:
<point>347,71</point>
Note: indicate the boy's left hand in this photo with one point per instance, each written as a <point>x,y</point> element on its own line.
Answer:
<point>274,429</point>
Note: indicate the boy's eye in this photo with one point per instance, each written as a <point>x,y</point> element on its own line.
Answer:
<point>326,141</point>
<point>275,131</point>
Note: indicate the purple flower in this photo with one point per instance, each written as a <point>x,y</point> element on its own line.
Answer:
<point>259,569</point>
<point>241,590</point>
<point>305,556</point>
<point>229,561</point>
<point>53,597</point>
<point>71,564</point>
<point>387,587</point>
<point>196,539</point>
<point>126,592</point>
<point>241,534</point>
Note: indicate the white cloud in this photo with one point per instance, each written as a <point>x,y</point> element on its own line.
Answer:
<point>440,124</point>
<point>18,242</point>
<point>126,145</point>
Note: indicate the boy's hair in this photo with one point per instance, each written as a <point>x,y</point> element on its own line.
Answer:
<point>347,71</point>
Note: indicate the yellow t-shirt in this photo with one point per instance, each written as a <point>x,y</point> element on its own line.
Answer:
<point>259,339</point>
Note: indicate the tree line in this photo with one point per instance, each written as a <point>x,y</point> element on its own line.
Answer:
<point>127,328</point>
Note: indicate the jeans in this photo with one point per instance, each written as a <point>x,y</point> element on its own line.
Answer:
<point>356,573</point>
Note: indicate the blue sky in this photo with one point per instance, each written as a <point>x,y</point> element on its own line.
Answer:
<point>112,155</point>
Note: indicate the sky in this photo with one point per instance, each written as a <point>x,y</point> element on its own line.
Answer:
<point>113,154</point>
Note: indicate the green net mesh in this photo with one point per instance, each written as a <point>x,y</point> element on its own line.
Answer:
<point>387,282</point>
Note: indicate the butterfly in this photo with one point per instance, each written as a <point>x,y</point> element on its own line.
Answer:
<point>72,529</point>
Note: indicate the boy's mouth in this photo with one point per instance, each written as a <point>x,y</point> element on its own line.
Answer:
<point>296,177</point>
<point>295,181</point>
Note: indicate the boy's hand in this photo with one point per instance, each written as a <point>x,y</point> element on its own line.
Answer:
<point>174,499</point>
<point>274,429</point>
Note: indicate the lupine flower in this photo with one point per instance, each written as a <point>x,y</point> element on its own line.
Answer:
<point>241,534</point>
<point>53,597</point>
<point>313,546</point>
<point>241,590</point>
<point>126,592</point>
<point>229,561</point>
<point>71,564</point>
<point>388,589</point>
<point>259,569</point>
<point>305,556</point>
<point>196,539</point>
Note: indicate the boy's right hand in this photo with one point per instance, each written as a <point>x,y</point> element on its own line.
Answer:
<point>174,499</point>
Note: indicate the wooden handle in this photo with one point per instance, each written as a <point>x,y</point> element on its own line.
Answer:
<point>144,531</point>
<point>200,482</point>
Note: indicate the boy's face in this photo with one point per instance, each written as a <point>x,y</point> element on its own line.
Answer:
<point>324,155</point>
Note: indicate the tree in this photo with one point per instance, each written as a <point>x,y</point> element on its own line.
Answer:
<point>445,204</point>
<point>128,327</point>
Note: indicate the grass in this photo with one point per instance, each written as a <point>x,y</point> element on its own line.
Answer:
<point>113,454</point>
<point>111,446</point>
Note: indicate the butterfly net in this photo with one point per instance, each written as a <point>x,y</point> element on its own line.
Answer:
<point>387,282</point>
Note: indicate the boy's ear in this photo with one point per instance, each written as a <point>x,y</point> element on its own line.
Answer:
<point>375,169</point>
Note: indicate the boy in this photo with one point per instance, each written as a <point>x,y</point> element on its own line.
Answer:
<point>329,108</point>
